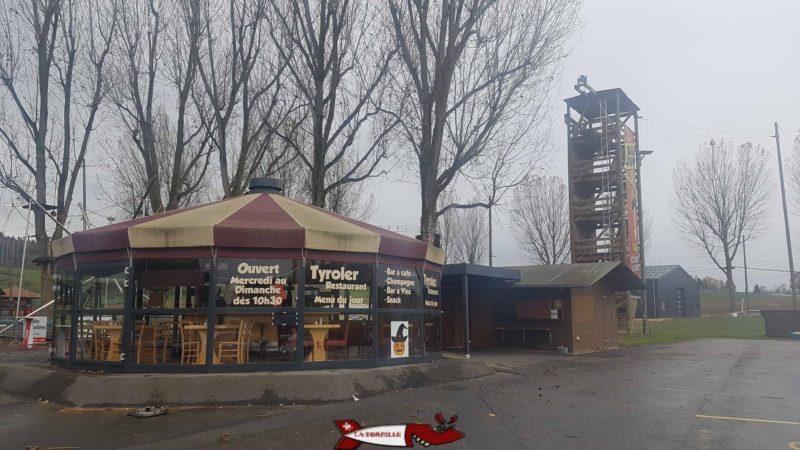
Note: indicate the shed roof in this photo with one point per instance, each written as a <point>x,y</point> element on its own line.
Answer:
<point>578,275</point>
<point>13,292</point>
<point>659,271</point>
<point>500,273</point>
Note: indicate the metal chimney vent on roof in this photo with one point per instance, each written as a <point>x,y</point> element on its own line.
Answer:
<point>260,185</point>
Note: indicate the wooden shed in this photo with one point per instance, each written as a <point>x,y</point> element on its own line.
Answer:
<point>671,292</point>
<point>8,301</point>
<point>536,307</point>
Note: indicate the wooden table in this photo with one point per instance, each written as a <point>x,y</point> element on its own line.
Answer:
<point>524,329</point>
<point>203,334</point>
<point>114,333</point>
<point>319,332</point>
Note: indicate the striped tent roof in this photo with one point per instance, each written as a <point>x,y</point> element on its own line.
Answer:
<point>254,221</point>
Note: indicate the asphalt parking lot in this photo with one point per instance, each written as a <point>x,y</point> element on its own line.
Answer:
<point>708,394</point>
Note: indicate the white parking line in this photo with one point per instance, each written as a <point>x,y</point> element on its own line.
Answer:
<point>744,419</point>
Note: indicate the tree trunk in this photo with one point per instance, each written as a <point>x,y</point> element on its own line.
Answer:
<point>46,279</point>
<point>222,142</point>
<point>318,171</point>
<point>44,52</point>
<point>428,220</point>
<point>731,288</point>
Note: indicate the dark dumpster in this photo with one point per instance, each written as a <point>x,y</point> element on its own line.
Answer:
<point>781,322</point>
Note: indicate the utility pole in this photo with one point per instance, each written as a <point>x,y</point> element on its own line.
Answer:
<point>22,267</point>
<point>640,218</point>
<point>786,219</point>
<point>746,286</point>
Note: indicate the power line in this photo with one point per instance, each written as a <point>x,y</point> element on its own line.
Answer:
<point>741,133</point>
<point>703,270</point>
<point>671,138</point>
<point>767,270</point>
<point>684,130</point>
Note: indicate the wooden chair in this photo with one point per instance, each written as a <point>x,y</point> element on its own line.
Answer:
<point>237,351</point>
<point>152,343</point>
<point>190,348</point>
<point>100,342</point>
<point>339,342</point>
<point>360,338</point>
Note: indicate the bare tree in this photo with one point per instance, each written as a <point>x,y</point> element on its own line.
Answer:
<point>467,241</point>
<point>337,64</point>
<point>29,25</point>
<point>793,171</point>
<point>97,34</point>
<point>349,199</point>
<point>161,41</point>
<point>516,152</point>
<point>71,41</point>
<point>648,229</point>
<point>720,200</point>
<point>132,183</point>
<point>241,78</point>
<point>447,222</point>
<point>128,194</point>
<point>470,66</point>
<point>541,219</point>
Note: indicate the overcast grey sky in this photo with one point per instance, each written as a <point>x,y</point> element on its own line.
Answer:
<point>711,65</point>
<point>715,65</point>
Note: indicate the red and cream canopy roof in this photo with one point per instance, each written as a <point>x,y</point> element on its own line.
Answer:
<point>253,221</point>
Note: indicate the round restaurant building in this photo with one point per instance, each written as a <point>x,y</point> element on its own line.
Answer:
<point>251,283</point>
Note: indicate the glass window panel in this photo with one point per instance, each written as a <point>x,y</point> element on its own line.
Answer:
<point>172,284</point>
<point>398,287</point>
<point>256,282</point>
<point>99,337</point>
<point>63,296</point>
<point>337,336</point>
<point>103,288</point>
<point>338,285</point>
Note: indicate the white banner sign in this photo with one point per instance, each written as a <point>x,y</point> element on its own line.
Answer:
<point>35,331</point>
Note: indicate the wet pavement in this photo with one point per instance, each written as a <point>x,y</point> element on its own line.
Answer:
<point>708,394</point>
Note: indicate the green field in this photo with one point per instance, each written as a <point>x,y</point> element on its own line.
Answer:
<point>9,276</point>
<point>715,303</point>
<point>667,331</point>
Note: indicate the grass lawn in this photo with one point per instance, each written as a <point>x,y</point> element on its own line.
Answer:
<point>668,331</point>
<point>9,277</point>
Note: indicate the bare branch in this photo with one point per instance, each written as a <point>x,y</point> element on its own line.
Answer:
<point>479,72</point>
<point>338,66</point>
<point>541,219</point>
